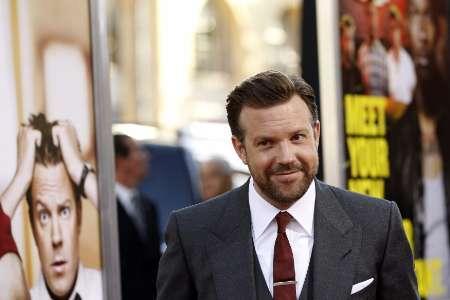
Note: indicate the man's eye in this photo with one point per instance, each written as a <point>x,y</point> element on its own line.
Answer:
<point>298,137</point>
<point>263,143</point>
<point>44,217</point>
<point>65,212</point>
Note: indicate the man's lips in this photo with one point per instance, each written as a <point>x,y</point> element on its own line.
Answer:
<point>59,265</point>
<point>286,177</point>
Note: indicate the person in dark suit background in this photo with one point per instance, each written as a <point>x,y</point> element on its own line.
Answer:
<point>138,222</point>
<point>284,234</point>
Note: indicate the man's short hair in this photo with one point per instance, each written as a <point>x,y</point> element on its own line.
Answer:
<point>265,90</point>
<point>48,154</point>
<point>121,147</point>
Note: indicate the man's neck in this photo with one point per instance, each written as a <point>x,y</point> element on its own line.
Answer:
<point>126,181</point>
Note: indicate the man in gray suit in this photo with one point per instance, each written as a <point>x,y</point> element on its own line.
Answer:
<point>284,234</point>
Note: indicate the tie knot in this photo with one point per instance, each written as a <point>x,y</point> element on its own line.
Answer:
<point>283,218</point>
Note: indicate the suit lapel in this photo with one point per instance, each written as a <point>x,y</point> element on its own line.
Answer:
<point>336,246</point>
<point>230,249</point>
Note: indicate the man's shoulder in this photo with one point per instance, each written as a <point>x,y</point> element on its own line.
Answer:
<point>358,205</point>
<point>372,215</point>
<point>148,202</point>
<point>210,210</point>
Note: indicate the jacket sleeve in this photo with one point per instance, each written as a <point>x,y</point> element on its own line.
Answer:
<point>174,279</point>
<point>397,279</point>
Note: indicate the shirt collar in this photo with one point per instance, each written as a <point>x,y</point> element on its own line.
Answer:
<point>80,288</point>
<point>124,193</point>
<point>262,212</point>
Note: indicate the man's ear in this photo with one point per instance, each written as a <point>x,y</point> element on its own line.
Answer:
<point>239,147</point>
<point>316,129</point>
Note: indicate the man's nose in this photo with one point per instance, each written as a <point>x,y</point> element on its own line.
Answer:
<point>56,233</point>
<point>286,153</point>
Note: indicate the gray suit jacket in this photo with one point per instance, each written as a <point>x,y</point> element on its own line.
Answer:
<point>210,254</point>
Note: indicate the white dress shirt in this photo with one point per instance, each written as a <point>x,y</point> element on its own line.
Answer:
<point>88,286</point>
<point>125,196</point>
<point>299,233</point>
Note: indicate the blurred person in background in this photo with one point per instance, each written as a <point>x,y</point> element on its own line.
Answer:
<point>401,73</point>
<point>372,55</point>
<point>351,76</point>
<point>216,177</point>
<point>138,222</point>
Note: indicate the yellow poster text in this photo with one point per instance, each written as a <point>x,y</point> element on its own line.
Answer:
<point>369,157</point>
<point>429,277</point>
<point>371,187</point>
<point>365,115</point>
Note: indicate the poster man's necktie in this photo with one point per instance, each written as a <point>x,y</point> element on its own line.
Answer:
<point>283,262</point>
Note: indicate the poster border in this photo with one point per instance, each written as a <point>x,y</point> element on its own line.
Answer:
<point>104,150</point>
<point>330,92</point>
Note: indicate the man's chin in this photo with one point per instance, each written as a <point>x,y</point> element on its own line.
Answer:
<point>291,191</point>
<point>286,196</point>
<point>61,286</point>
<point>290,196</point>
<point>60,290</point>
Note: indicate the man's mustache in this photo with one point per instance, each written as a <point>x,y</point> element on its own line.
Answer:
<point>286,168</point>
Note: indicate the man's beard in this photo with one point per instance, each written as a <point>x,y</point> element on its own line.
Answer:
<point>272,190</point>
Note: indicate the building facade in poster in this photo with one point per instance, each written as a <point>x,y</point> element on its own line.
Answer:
<point>395,78</point>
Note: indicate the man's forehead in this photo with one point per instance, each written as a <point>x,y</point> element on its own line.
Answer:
<point>295,107</point>
<point>51,182</point>
<point>50,172</point>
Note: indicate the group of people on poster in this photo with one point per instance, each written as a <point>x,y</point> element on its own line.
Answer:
<point>399,50</point>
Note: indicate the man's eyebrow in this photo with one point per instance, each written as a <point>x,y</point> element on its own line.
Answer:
<point>39,202</point>
<point>263,137</point>
<point>64,203</point>
<point>268,137</point>
<point>303,129</point>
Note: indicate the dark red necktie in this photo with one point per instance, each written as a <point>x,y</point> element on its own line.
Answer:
<point>283,262</point>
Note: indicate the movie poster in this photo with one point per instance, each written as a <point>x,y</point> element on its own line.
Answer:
<point>48,174</point>
<point>395,83</point>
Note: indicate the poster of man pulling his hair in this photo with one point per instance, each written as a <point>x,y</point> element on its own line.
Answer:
<point>50,212</point>
<point>54,178</point>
